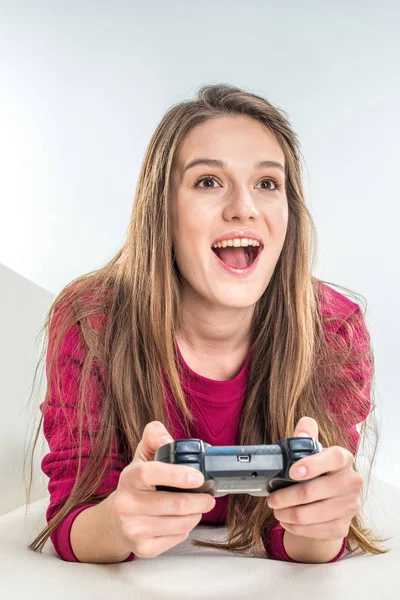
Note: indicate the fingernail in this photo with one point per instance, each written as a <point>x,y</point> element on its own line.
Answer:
<point>303,434</point>
<point>299,471</point>
<point>165,439</point>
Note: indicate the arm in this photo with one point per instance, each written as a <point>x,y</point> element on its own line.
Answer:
<point>313,551</point>
<point>91,537</point>
<point>282,544</point>
<point>61,463</point>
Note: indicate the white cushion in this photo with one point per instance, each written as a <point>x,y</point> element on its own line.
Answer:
<point>187,572</point>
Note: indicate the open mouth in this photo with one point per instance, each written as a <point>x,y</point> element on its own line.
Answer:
<point>238,257</point>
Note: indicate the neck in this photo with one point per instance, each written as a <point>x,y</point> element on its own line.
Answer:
<point>214,331</point>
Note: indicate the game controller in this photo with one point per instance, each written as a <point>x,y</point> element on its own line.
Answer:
<point>255,470</point>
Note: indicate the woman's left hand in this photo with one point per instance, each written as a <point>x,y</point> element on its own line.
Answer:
<point>321,509</point>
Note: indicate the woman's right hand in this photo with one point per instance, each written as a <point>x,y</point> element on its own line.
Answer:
<point>148,521</point>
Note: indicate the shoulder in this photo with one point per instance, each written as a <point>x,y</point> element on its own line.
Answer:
<point>68,328</point>
<point>344,325</point>
<point>96,319</point>
<point>335,305</point>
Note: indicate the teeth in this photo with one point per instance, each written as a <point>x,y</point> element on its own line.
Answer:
<point>236,242</point>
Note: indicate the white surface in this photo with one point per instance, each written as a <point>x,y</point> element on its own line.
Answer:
<point>22,314</point>
<point>186,572</point>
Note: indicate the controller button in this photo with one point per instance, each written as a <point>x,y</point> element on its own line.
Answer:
<point>189,447</point>
<point>301,444</point>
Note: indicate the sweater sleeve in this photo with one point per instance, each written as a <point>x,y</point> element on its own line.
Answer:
<point>60,420</point>
<point>276,550</point>
<point>350,414</point>
<point>350,410</point>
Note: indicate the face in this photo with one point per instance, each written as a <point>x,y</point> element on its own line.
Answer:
<point>213,201</point>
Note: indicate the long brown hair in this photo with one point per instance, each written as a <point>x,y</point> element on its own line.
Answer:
<point>294,365</point>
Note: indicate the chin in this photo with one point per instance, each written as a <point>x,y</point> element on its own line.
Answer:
<point>238,301</point>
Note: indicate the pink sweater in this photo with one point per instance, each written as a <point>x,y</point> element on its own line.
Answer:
<point>217,406</point>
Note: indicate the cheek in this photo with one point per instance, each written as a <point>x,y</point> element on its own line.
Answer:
<point>285,217</point>
<point>191,230</point>
<point>189,241</point>
<point>187,219</point>
<point>277,218</point>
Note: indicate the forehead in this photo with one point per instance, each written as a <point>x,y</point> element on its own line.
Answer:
<point>230,138</point>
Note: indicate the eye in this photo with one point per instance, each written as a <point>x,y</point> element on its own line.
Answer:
<point>274,181</point>
<point>269,179</point>
<point>204,179</point>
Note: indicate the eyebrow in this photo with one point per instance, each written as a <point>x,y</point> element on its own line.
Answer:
<point>212,162</point>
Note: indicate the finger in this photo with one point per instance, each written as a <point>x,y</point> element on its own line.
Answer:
<point>309,491</point>
<point>151,441</point>
<point>316,512</point>
<point>329,460</point>
<point>145,476</point>
<point>146,527</point>
<point>306,427</point>
<point>171,503</point>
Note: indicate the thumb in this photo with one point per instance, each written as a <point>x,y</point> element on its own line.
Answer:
<point>306,427</point>
<point>154,435</point>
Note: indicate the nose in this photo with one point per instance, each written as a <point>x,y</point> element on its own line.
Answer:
<point>240,205</point>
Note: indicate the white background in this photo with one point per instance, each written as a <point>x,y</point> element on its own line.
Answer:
<point>84,84</point>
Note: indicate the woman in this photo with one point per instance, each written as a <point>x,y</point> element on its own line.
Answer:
<point>208,323</point>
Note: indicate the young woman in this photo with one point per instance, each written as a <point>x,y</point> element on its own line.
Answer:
<point>208,323</point>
